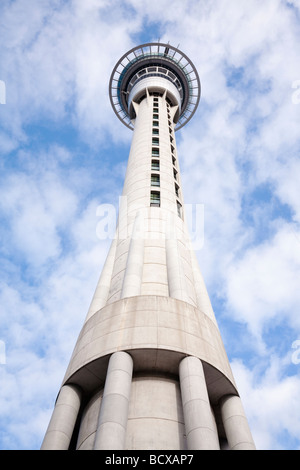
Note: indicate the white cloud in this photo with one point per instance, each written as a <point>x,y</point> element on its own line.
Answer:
<point>270,402</point>
<point>57,67</point>
<point>263,285</point>
<point>37,206</point>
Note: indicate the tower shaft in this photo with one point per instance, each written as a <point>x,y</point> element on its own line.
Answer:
<point>152,249</point>
<point>149,369</point>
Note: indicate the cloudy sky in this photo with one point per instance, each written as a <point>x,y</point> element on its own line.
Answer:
<point>63,154</point>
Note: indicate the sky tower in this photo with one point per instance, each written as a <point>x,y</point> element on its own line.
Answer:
<point>149,369</point>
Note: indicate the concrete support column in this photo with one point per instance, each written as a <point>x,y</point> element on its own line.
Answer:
<point>235,424</point>
<point>200,426</point>
<point>62,423</point>
<point>111,430</point>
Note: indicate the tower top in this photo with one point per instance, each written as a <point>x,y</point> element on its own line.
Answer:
<point>158,67</point>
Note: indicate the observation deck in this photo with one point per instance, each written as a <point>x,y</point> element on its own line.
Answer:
<point>158,67</point>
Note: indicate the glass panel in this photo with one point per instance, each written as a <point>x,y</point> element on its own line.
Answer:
<point>155,180</point>
<point>155,199</point>
<point>155,165</point>
<point>179,209</point>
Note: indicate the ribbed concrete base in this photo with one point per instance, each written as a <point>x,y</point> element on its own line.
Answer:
<point>148,411</point>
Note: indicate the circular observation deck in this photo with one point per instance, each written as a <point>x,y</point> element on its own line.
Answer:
<point>149,61</point>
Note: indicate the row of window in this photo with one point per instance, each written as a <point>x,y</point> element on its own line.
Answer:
<point>175,173</point>
<point>155,163</point>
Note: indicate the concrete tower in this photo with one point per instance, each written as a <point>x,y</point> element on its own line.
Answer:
<point>149,369</point>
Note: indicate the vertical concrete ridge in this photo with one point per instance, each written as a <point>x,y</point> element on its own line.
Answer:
<point>112,423</point>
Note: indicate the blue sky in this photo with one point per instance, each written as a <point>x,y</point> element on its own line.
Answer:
<point>63,154</point>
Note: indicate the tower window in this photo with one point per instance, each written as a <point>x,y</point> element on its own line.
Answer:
<point>155,116</point>
<point>155,131</point>
<point>155,180</point>
<point>155,140</point>
<point>179,209</point>
<point>155,165</point>
<point>155,152</point>
<point>155,199</point>
<point>176,189</point>
<point>155,123</point>
<point>175,173</point>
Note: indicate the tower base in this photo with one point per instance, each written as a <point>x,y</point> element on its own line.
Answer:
<point>148,372</point>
